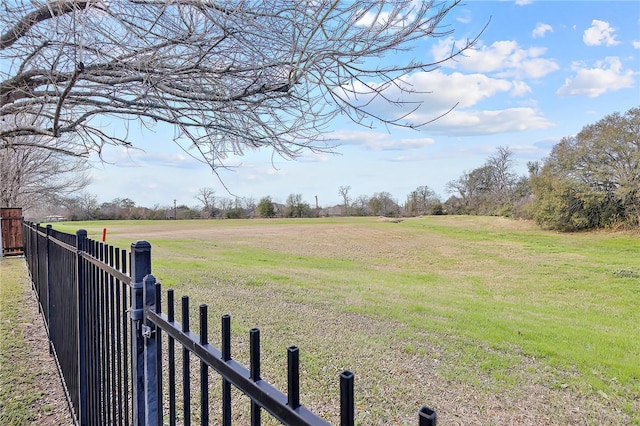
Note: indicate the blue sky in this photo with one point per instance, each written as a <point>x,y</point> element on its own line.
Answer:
<point>541,71</point>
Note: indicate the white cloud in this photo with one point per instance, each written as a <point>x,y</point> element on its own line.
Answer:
<point>438,92</point>
<point>386,17</point>
<point>311,157</point>
<point>136,157</point>
<point>505,58</point>
<point>380,141</point>
<point>370,18</point>
<point>435,93</point>
<point>533,68</point>
<point>523,2</point>
<point>520,88</point>
<point>606,76</point>
<point>403,158</point>
<point>400,144</point>
<point>636,44</point>
<point>473,123</point>
<point>541,29</point>
<point>464,89</point>
<point>599,33</point>
<point>465,17</point>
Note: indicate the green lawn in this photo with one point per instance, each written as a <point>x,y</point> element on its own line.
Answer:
<point>479,317</point>
<point>19,392</point>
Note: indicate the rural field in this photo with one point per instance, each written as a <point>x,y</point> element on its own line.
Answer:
<point>487,320</point>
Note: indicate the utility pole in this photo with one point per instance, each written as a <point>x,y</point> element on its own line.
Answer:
<point>175,210</point>
<point>317,203</point>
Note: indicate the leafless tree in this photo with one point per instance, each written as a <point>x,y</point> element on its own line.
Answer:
<point>225,204</point>
<point>489,189</point>
<point>343,191</point>
<point>207,196</point>
<point>227,75</point>
<point>82,206</point>
<point>504,177</point>
<point>31,176</point>
<point>360,206</point>
<point>463,187</point>
<point>250,204</point>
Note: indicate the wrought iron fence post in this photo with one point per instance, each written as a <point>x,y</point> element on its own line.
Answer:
<point>347,405</point>
<point>48,301</point>
<point>427,416</point>
<point>35,273</point>
<point>81,238</point>
<point>150,354</point>
<point>140,267</point>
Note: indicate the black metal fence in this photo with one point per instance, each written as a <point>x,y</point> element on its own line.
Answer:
<point>104,317</point>
<point>83,291</point>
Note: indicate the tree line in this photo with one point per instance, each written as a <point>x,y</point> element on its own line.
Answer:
<point>589,180</point>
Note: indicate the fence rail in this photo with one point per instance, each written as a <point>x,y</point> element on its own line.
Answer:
<point>104,318</point>
<point>83,291</point>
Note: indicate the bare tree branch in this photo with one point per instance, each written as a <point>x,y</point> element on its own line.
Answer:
<point>43,13</point>
<point>229,76</point>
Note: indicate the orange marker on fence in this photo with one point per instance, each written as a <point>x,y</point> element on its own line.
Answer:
<point>104,234</point>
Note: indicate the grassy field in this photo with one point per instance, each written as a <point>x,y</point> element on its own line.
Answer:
<point>488,320</point>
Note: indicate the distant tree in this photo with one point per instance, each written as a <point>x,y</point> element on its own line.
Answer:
<point>296,207</point>
<point>138,213</point>
<point>534,168</point>
<point>454,205</point>
<point>250,206</point>
<point>423,200</point>
<point>504,178</point>
<point>375,206</point>
<point>109,210</point>
<point>32,177</point>
<point>524,200</point>
<point>489,189</point>
<point>82,206</point>
<point>224,205</point>
<point>383,204</point>
<point>127,203</point>
<point>119,208</point>
<point>360,206</point>
<point>156,213</point>
<point>207,196</point>
<point>592,179</point>
<point>185,212</point>
<point>465,189</point>
<point>265,207</point>
<point>343,191</point>
<point>235,213</point>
